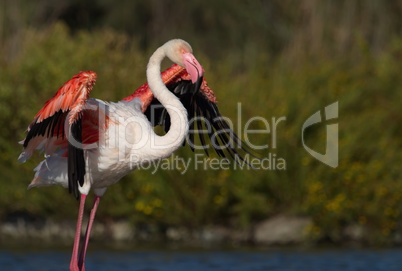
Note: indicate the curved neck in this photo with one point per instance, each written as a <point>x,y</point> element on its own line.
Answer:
<point>173,139</point>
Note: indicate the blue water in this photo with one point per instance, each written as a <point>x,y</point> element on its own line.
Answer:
<point>168,260</point>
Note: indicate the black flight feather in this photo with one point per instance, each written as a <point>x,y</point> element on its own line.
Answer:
<point>200,109</point>
<point>49,127</point>
<point>76,161</point>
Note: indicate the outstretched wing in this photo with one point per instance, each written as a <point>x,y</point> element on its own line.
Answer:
<point>59,121</point>
<point>203,115</point>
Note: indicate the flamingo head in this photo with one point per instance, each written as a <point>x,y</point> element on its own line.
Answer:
<point>180,52</point>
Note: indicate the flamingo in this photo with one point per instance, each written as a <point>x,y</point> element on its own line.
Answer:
<point>91,144</point>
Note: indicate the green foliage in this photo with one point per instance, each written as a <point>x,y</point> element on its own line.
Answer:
<point>304,64</point>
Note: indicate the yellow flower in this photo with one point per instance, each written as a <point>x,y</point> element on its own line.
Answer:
<point>218,199</point>
<point>148,210</point>
<point>157,203</point>
<point>139,206</point>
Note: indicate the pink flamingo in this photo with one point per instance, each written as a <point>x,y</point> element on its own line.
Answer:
<point>92,144</point>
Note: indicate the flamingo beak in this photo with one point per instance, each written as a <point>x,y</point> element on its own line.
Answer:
<point>193,67</point>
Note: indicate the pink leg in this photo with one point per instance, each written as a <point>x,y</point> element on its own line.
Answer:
<point>74,256</point>
<point>83,253</point>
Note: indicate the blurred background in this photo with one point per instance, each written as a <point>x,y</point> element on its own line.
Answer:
<point>277,58</point>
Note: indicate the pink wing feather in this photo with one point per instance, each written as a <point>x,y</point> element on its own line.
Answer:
<point>71,96</point>
<point>47,130</point>
<point>171,75</point>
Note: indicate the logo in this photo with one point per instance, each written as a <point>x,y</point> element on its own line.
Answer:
<point>330,157</point>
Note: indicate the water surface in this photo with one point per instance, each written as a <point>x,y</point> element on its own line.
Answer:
<point>202,260</point>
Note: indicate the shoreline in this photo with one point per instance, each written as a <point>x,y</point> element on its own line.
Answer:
<point>279,231</point>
